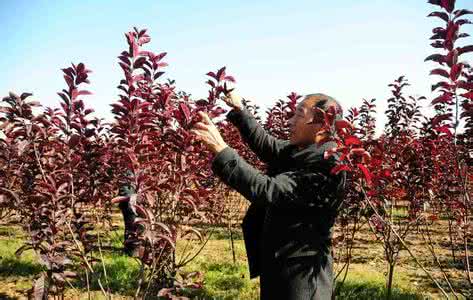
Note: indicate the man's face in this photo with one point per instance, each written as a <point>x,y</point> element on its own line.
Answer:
<point>301,132</point>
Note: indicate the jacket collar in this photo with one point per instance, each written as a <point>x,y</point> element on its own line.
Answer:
<point>310,154</point>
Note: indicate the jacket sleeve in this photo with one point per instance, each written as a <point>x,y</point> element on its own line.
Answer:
<point>301,187</point>
<point>264,145</point>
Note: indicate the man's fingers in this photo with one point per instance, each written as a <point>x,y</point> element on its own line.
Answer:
<point>200,125</point>
<point>196,132</point>
<point>205,117</point>
<point>200,134</point>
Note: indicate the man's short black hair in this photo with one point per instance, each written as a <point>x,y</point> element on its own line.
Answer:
<point>324,102</point>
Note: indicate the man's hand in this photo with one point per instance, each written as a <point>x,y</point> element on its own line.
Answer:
<point>207,132</point>
<point>233,100</point>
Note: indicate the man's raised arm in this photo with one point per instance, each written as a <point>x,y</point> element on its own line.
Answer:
<point>266,146</point>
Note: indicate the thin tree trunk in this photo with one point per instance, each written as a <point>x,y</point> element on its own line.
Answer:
<point>232,243</point>
<point>390,280</point>
<point>467,260</point>
<point>450,234</point>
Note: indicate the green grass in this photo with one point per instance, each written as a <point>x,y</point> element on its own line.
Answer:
<point>371,290</point>
<point>10,265</point>
<point>365,282</point>
<point>222,278</point>
<point>122,275</point>
<point>15,273</point>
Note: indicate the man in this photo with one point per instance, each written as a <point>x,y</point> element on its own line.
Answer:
<point>288,226</point>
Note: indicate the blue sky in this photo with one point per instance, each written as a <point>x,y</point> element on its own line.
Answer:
<point>347,49</point>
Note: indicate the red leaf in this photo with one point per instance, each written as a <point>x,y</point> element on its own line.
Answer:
<point>25,95</point>
<point>84,92</point>
<point>352,140</point>
<point>436,57</point>
<point>80,68</point>
<point>386,173</point>
<point>339,124</point>
<point>435,2</point>
<point>452,57</point>
<point>194,231</point>
<point>451,33</point>
<point>22,146</point>
<point>160,56</point>
<point>439,118</point>
<point>144,40</point>
<point>437,44</point>
<point>444,98</point>
<point>69,72</point>
<point>74,140</point>
<point>168,239</point>
<point>455,71</point>
<point>212,74</point>
<point>76,93</point>
<point>465,85</point>
<point>191,203</point>
<point>135,49</point>
<point>39,288</point>
<point>230,78</point>
<point>132,157</point>
<point>165,292</point>
<point>164,226</point>
<point>449,5</point>
<point>461,22</point>
<point>185,110</point>
<point>361,152</point>
<point>441,15</point>
<point>468,95</point>
<point>366,173</point>
<point>465,49</point>
<point>440,72</point>
<point>441,84</point>
<point>445,129</point>
<point>139,62</point>
<point>120,199</point>
<point>358,151</point>
<point>221,74</point>
<point>462,12</point>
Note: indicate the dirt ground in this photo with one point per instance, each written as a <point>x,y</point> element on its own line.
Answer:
<point>368,267</point>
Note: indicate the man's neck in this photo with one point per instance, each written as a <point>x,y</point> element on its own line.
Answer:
<point>317,139</point>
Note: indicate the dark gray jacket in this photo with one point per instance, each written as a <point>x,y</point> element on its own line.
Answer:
<point>293,206</point>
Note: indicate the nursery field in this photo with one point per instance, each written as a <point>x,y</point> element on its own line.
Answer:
<point>224,279</point>
<point>140,207</point>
